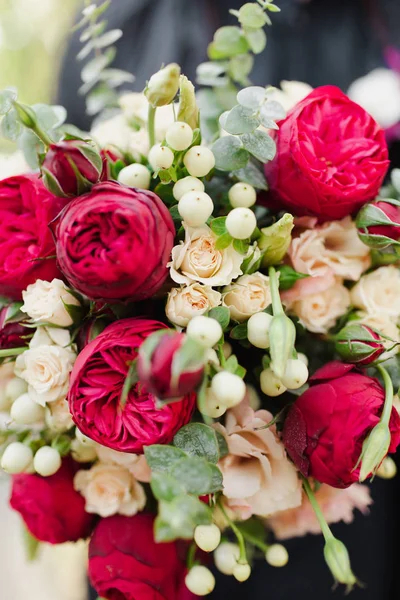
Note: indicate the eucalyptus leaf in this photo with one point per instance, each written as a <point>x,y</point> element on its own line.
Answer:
<point>252,97</point>
<point>260,145</point>
<point>240,67</point>
<point>6,99</point>
<point>108,38</point>
<point>222,445</point>
<point>197,439</point>
<point>194,474</point>
<point>395,179</point>
<point>239,120</point>
<point>10,126</point>
<point>178,518</point>
<point>50,117</point>
<point>217,480</point>
<point>252,15</point>
<point>165,487</point>
<point>31,147</point>
<point>239,332</point>
<point>220,314</point>
<point>212,74</point>
<point>91,71</point>
<point>228,41</point>
<point>98,99</point>
<point>162,458</point>
<point>257,40</point>
<point>92,31</point>
<point>253,175</point>
<point>272,110</point>
<point>230,154</point>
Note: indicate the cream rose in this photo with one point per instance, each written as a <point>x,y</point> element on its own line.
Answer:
<point>52,336</point>
<point>334,246</point>
<point>44,302</point>
<point>387,327</point>
<point>258,477</point>
<point>135,463</point>
<point>58,418</point>
<point>187,302</point>
<point>6,375</point>
<point>248,295</point>
<point>379,292</point>
<point>110,490</point>
<point>197,259</point>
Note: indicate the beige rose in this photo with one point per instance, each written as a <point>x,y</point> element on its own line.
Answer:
<point>258,478</point>
<point>188,301</point>
<point>197,259</point>
<point>44,302</point>
<point>110,490</point>
<point>6,375</point>
<point>334,246</point>
<point>52,336</point>
<point>379,292</point>
<point>135,463</point>
<point>337,505</point>
<point>58,417</point>
<point>387,327</point>
<point>248,295</point>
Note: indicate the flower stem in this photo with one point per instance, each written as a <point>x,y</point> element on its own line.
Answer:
<point>12,351</point>
<point>238,534</point>
<point>327,533</point>
<point>274,287</point>
<point>191,556</point>
<point>387,408</point>
<point>151,125</point>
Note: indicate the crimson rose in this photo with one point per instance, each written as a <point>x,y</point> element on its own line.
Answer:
<point>327,425</point>
<point>114,243</point>
<point>379,223</point>
<point>331,157</point>
<point>51,508</point>
<point>26,208</point>
<point>96,392</point>
<point>125,563</point>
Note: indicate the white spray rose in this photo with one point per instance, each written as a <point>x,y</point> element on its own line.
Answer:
<point>189,301</point>
<point>44,302</point>
<point>378,292</point>
<point>248,295</point>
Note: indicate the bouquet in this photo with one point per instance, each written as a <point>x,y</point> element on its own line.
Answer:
<point>199,324</point>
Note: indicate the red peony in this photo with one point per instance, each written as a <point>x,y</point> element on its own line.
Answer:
<point>331,157</point>
<point>96,389</point>
<point>114,243</point>
<point>125,563</point>
<point>51,508</point>
<point>327,425</point>
<point>26,209</point>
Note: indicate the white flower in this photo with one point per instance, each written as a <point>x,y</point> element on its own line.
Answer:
<point>44,302</point>
<point>13,164</point>
<point>136,108</point>
<point>58,418</point>
<point>51,336</point>
<point>6,375</point>
<point>110,490</point>
<point>379,292</point>
<point>188,301</point>
<point>197,259</point>
<point>379,93</point>
<point>113,132</point>
<point>387,327</point>
<point>135,463</point>
<point>248,295</point>
<point>290,94</point>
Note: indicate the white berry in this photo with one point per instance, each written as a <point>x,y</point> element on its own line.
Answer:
<point>136,176</point>
<point>26,411</point>
<point>211,407</point>
<point>84,439</point>
<point>199,161</point>
<point>195,208</point>
<point>15,388</point>
<point>270,384</point>
<point>16,458</point>
<point>207,537</point>
<point>179,135</point>
<point>47,461</point>
<point>242,195</point>
<point>161,157</point>
<point>228,388</point>
<point>258,329</point>
<point>187,184</point>
<point>240,223</point>
<point>200,581</point>
<point>226,557</point>
<point>303,358</point>
<point>242,572</point>
<point>277,555</point>
<point>83,453</point>
<point>205,330</point>
<point>388,469</point>
<point>296,374</point>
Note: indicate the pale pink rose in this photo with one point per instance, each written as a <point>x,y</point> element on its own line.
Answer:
<point>135,463</point>
<point>378,292</point>
<point>333,247</point>
<point>258,478</point>
<point>337,505</point>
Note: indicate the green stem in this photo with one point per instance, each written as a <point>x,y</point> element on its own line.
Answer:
<point>274,287</point>
<point>12,351</point>
<point>151,125</point>
<point>327,533</point>
<point>387,408</point>
<point>238,534</point>
<point>191,556</point>
<point>42,136</point>
<point>255,541</point>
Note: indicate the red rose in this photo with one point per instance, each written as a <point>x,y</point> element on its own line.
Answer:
<point>114,243</point>
<point>125,563</point>
<point>109,156</point>
<point>12,334</point>
<point>379,223</point>
<point>26,208</point>
<point>327,425</point>
<point>156,364</point>
<point>359,344</point>
<point>97,385</point>
<point>71,167</point>
<point>51,508</point>
<point>331,157</point>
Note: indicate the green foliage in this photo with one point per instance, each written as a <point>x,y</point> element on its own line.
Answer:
<point>220,314</point>
<point>288,277</point>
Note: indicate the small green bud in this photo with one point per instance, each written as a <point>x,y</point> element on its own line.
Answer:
<point>357,343</point>
<point>26,115</point>
<point>275,240</point>
<point>163,85</point>
<point>282,335</point>
<point>338,561</point>
<point>374,450</point>
<point>188,109</point>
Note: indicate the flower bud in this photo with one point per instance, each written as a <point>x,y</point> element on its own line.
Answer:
<point>12,333</point>
<point>207,537</point>
<point>296,374</point>
<point>26,115</point>
<point>170,364</point>
<point>188,109</point>
<point>379,223</point>
<point>374,450</point>
<point>270,384</point>
<point>275,240</point>
<point>82,453</point>
<point>200,581</point>
<point>359,344</point>
<point>71,167</point>
<point>277,555</point>
<point>226,557</point>
<point>47,461</point>
<point>163,85</point>
<point>338,561</point>
<point>387,469</point>
<point>282,335</point>
<point>242,572</point>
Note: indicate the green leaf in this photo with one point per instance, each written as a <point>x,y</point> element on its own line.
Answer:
<point>31,146</point>
<point>212,74</point>
<point>222,445</point>
<point>91,71</point>
<point>272,110</point>
<point>254,529</point>
<point>197,439</point>
<point>6,99</point>
<point>230,154</point>
<point>253,175</point>
<point>31,544</point>
<point>240,67</point>
<point>228,41</point>
<point>240,371</point>
<point>116,77</point>
<point>165,487</point>
<point>220,314</point>
<point>194,474</point>
<point>257,40</point>
<point>252,15</point>
<point>260,145</point>
<point>239,120</point>
<point>217,480</point>
<point>241,246</point>
<point>218,225</point>
<point>108,38</point>
<point>252,97</point>
<point>231,364</point>
<point>239,332</point>
<point>223,241</point>
<point>162,458</point>
<point>178,518</point>
<point>10,126</point>
<point>288,277</point>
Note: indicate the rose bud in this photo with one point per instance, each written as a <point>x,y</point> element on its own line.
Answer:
<point>110,156</point>
<point>359,344</point>
<point>379,224</point>
<point>275,240</point>
<point>314,435</point>
<point>71,167</point>
<point>170,364</point>
<point>42,502</point>
<point>12,333</point>
<point>163,85</point>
